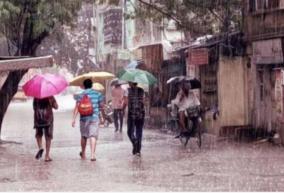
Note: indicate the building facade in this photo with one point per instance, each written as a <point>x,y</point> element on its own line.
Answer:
<point>264,30</point>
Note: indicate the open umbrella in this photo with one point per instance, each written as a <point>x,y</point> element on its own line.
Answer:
<point>98,86</point>
<point>117,81</point>
<point>143,86</point>
<point>94,76</point>
<point>194,83</point>
<point>134,64</point>
<point>138,76</point>
<point>45,85</point>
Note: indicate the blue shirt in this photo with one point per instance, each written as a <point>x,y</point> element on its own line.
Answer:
<point>96,99</point>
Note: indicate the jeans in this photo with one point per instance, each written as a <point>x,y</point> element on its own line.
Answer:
<point>135,132</point>
<point>118,117</point>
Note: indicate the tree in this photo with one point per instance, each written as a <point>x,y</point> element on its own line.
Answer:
<point>25,24</point>
<point>198,17</point>
<point>72,49</point>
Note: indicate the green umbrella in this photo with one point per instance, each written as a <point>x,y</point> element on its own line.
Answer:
<point>137,75</point>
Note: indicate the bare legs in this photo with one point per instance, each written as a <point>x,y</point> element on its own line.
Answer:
<point>39,142</point>
<point>93,142</point>
<point>83,146</point>
<point>47,144</point>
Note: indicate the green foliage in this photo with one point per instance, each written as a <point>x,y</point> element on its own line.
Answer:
<point>25,23</point>
<point>196,16</point>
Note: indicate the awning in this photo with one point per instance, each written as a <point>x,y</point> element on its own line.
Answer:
<point>267,52</point>
<point>25,63</point>
<point>9,64</point>
<point>167,49</point>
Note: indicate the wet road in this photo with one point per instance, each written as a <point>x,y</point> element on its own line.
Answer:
<point>164,165</point>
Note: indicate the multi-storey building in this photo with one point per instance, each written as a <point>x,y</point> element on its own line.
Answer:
<point>264,30</point>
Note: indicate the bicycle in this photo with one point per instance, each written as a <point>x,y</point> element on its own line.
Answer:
<point>193,117</point>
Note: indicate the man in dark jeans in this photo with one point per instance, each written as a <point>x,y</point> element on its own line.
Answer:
<point>134,99</point>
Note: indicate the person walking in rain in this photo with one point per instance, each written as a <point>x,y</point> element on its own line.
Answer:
<point>88,104</point>
<point>43,123</point>
<point>134,99</point>
<point>117,94</point>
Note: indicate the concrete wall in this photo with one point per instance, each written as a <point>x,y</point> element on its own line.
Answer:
<point>211,126</point>
<point>232,91</point>
<point>233,95</point>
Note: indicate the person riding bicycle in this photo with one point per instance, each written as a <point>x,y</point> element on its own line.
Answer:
<point>185,100</point>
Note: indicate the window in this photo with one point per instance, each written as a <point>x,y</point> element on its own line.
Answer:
<point>272,4</point>
<point>261,83</point>
<point>261,5</point>
<point>281,4</point>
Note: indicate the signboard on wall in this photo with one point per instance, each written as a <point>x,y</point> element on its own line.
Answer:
<point>267,52</point>
<point>113,26</point>
<point>198,56</point>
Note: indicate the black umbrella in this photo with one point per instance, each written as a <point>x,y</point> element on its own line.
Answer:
<point>194,83</point>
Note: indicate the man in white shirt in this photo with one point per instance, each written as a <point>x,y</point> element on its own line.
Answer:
<point>185,99</point>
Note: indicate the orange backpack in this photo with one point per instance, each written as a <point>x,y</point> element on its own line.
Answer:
<point>85,107</point>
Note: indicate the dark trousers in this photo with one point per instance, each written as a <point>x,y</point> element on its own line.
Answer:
<point>135,132</point>
<point>118,119</point>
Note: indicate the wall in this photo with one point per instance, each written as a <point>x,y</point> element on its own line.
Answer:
<point>233,95</point>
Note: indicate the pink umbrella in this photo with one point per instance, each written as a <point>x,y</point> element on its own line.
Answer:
<point>45,85</point>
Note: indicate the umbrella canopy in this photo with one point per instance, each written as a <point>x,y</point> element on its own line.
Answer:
<point>194,83</point>
<point>175,79</point>
<point>117,81</point>
<point>133,64</point>
<point>45,85</point>
<point>98,86</point>
<point>143,86</point>
<point>138,76</point>
<point>94,76</point>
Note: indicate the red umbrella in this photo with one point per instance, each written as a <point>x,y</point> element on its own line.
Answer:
<point>45,85</point>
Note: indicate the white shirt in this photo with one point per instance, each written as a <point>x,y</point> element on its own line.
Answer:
<point>190,101</point>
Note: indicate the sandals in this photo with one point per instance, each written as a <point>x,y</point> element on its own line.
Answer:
<point>48,160</point>
<point>81,155</point>
<point>39,154</point>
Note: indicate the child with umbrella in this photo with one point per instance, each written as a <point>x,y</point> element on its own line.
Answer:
<point>42,88</point>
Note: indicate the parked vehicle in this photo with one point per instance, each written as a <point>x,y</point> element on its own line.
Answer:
<point>108,114</point>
